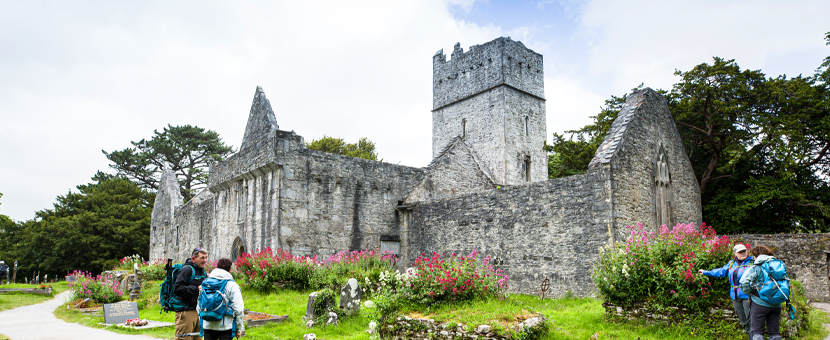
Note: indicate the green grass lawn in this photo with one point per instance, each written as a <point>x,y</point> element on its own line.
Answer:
<point>571,318</point>
<point>14,300</point>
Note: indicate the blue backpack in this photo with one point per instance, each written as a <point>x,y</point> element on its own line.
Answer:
<point>776,286</point>
<point>213,303</point>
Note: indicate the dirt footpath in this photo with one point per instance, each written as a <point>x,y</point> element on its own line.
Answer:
<point>38,322</point>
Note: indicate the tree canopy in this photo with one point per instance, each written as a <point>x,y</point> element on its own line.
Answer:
<point>364,148</point>
<point>758,145</point>
<point>190,150</point>
<point>87,230</point>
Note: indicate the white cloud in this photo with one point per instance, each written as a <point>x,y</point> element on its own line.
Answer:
<point>645,41</point>
<point>77,78</point>
<point>569,104</point>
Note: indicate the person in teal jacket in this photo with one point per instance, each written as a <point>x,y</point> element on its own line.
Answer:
<point>733,271</point>
<point>762,311</point>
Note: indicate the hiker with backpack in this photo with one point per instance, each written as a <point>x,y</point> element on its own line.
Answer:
<point>188,282</point>
<point>220,306</point>
<point>733,271</point>
<point>4,272</point>
<point>767,284</point>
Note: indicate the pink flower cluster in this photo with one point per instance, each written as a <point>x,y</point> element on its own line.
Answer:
<point>97,288</point>
<point>456,277</point>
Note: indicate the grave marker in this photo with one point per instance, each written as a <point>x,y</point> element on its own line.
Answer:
<point>350,296</point>
<point>120,312</point>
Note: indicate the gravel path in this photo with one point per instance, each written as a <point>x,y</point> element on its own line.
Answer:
<point>38,322</point>
<point>824,307</point>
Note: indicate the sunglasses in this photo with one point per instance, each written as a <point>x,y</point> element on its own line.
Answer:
<point>741,252</point>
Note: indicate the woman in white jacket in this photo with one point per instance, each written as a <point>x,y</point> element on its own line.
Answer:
<point>223,330</point>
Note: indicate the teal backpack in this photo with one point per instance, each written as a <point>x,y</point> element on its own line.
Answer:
<point>213,303</point>
<point>167,297</point>
<point>776,285</point>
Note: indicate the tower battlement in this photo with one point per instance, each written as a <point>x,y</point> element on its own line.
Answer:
<point>502,61</point>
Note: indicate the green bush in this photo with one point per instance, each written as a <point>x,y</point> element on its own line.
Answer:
<point>662,267</point>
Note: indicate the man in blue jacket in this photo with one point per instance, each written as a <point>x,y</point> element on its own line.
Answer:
<point>733,271</point>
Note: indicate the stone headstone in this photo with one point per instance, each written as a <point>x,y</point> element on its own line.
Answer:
<point>350,296</point>
<point>309,309</point>
<point>71,278</point>
<point>120,312</point>
<point>309,336</point>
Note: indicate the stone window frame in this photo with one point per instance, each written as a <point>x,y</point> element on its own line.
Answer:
<point>661,186</point>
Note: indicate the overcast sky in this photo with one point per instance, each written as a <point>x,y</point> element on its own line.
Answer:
<point>78,77</point>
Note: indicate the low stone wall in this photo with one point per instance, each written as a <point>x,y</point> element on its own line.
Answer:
<point>673,315</point>
<point>804,255</point>
<point>417,328</point>
<point>670,315</point>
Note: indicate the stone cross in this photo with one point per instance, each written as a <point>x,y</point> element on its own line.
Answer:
<point>350,296</point>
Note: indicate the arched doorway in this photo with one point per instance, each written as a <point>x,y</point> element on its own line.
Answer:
<point>238,248</point>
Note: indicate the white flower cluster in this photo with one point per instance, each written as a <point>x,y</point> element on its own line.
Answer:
<point>625,270</point>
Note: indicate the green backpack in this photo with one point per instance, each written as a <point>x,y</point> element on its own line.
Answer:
<point>167,297</point>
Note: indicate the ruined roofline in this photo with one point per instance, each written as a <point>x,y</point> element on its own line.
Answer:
<point>459,53</point>
<point>617,133</point>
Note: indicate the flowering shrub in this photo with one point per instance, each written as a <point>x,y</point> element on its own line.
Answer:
<point>365,266</point>
<point>154,270</point>
<point>261,269</point>
<point>95,288</point>
<point>127,262</point>
<point>662,267</point>
<point>437,278</point>
<point>457,278</point>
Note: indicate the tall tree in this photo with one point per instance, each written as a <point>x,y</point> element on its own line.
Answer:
<point>364,148</point>
<point>188,149</point>
<point>86,230</point>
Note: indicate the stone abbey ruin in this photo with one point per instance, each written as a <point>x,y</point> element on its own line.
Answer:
<point>485,189</point>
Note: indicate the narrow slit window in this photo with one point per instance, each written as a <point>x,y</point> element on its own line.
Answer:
<point>527,168</point>
<point>464,128</point>
<point>527,130</point>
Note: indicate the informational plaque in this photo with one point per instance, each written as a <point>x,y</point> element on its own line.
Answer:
<point>120,312</point>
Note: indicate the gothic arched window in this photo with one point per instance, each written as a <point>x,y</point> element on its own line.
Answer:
<point>662,189</point>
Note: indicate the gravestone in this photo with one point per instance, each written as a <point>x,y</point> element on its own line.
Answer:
<point>71,278</point>
<point>350,296</point>
<point>120,312</point>
<point>309,309</point>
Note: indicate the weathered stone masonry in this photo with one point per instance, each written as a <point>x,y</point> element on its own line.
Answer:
<point>486,188</point>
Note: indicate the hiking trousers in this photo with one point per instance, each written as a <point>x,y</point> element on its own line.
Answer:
<point>187,322</point>
<point>760,316</point>
<point>742,307</point>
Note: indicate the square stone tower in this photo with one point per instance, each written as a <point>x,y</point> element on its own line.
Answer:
<point>493,96</point>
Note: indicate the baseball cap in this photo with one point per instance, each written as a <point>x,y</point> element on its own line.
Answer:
<point>738,247</point>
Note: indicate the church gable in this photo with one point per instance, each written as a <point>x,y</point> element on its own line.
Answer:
<point>261,122</point>
<point>455,171</point>
<point>654,180</point>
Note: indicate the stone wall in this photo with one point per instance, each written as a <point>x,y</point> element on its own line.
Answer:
<point>550,229</point>
<point>805,258</point>
<point>643,126</point>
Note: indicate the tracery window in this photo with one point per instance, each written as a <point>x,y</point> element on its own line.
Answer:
<point>662,188</point>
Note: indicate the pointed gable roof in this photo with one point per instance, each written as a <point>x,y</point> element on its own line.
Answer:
<point>261,121</point>
<point>169,192</point>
